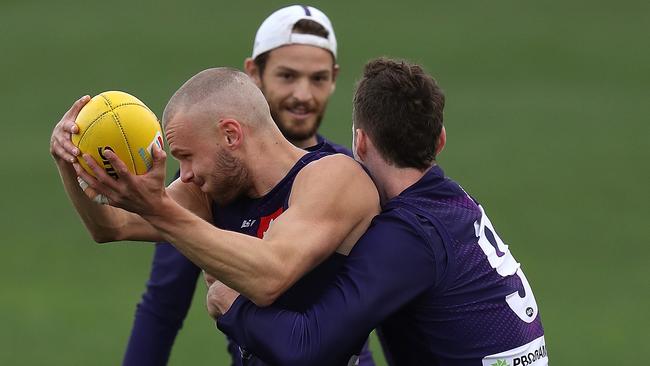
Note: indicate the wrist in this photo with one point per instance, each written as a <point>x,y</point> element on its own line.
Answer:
<point>160,209</point>
<point>62,163</point>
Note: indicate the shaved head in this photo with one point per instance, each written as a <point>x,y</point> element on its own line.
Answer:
<point>221,93</point>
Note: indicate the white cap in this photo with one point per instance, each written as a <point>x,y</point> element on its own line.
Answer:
<point>277,30</point>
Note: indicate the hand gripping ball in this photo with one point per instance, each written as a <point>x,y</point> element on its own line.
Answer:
<point>120,122</point>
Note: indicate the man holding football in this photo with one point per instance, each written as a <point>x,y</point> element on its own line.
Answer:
<point>294,64</point>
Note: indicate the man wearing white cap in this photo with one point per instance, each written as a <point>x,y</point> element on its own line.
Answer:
<point>294,64</point>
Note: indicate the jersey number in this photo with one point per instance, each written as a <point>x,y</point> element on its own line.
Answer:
<point>504,263</point>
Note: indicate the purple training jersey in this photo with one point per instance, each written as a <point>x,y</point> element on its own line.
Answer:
<point>169,293</point>
<point>431,273</point>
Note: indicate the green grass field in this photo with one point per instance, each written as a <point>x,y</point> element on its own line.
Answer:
<point>547,117</point>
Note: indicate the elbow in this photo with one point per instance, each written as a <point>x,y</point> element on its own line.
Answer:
<point>278,274</point>
<point>262,301</point>
<point>271,289</point>
<point>102,239</point>
<point>104,236</point>
<point>266,295</point>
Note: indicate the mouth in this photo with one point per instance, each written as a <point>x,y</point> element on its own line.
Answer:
<point>300,113</point>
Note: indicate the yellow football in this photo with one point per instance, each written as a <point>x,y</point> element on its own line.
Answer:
<point>120,122</point>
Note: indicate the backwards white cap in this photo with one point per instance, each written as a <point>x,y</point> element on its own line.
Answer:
<point>277,30</point>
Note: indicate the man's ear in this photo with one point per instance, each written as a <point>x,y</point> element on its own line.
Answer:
<point>232,134</point>
<point>442,140</point>
<point>253,71</point>
<point>360,144</point>
<point>335,74</point>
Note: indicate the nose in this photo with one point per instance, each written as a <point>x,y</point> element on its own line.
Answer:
<point>302,90</point>
<point>186,173</point>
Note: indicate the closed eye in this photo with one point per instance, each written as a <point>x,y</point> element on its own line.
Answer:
<point>180,155</point>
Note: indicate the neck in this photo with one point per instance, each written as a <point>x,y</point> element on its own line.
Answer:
<point>265,173</point>
<point>391,180</point>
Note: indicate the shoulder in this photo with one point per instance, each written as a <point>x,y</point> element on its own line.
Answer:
<point>394,243</point>
<point>336,181</point>
<point>403,228</point>
<point>395,222</point>
<point>336,158</point>
<point>336,168</point>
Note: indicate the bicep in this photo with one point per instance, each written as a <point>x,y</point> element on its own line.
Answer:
<point>327,212</point>
<point>297,241</point>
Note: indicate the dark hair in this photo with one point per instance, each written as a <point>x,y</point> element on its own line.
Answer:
<point>400,107</point>
<point>303,26</point>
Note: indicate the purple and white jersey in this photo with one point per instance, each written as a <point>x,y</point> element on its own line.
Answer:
<point>431,273</point>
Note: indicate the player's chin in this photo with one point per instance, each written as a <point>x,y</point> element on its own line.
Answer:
<point>300,126</point>
<point>299,134</point>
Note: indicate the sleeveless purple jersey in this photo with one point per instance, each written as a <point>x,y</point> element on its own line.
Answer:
<point>431,273</point>
<point>254,217</point>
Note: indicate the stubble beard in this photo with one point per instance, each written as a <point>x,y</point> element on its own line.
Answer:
<point>231,179</point>
<point>291,134</point>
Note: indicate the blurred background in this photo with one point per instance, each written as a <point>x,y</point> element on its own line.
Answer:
<point>547,117</point>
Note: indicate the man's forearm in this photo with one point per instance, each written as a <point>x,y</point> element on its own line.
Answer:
<point>102,221</point>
